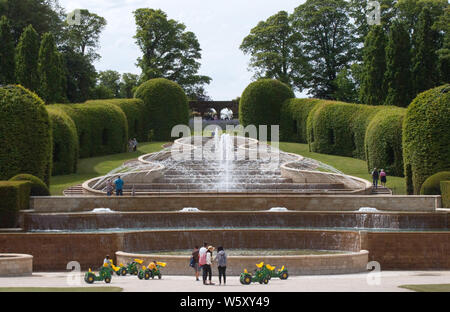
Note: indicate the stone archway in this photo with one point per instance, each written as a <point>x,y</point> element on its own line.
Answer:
<point>202,107</point>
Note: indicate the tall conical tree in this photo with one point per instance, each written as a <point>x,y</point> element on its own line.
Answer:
<point>6,52</point>
<point>27,52</point>
<point>398,66</point>
<point>373,90</point>
<point>49,70</point>
<point>425,59</point>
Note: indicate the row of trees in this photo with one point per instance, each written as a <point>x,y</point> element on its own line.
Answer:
<point>328,48</point>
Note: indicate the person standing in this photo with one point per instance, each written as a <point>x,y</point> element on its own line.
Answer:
<point>194,262</point>
<point>383,178</point>
<point>135,144</point>
<point>109,187</point>
<point>207,272</point>
<point>119,186</point>
<point>202,260</point>
<point>375,176</point>
<point>221,259</point>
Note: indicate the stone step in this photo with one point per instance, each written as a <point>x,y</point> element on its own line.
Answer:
<point>232,185</point>
<point>213,179</point>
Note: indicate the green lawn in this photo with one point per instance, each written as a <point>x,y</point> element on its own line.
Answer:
<point>92,167</point>
<point>60,289</point>
<point>428,287</point>
<point>89,168</point>
<point>348,165</point>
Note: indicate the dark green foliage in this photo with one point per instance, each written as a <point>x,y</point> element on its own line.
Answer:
<point>50,72</point>
<point>445,193</point>
<point>293,119</point>
<point>166,106</point>
<point>261,103</point>
<point>373,91</point>
<point>38,187</point>
<point>398,67</point>
<point>135,112</point>
<point>383,141</point>
<point>339,128</point>
<point>14,197</point>
<point>26,58</point>
<point>65,142</point>
<point>25,134</point>
<point>432,185</point>
<point>101,127</point>
<point>426,136</point>
<point>7,65</point>
<point>425,71</point>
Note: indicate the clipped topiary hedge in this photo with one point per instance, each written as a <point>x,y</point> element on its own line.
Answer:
<point>339,128</point>
<point>383,141</point>
<point>38,187</point>
<point>432,185</point>
<point>445,194</point>
<point>25,134</point>
<point>293,119</point>
<point>166,106</point>
<point>102,128</point>
<point>261,103</point>
<point>134,110</point>
<point>15,196</point>
<point>426,136</point>
<point>65,142</point>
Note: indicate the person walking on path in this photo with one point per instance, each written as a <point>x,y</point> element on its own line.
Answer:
<point>207,272</point>
<point>375,176</point>
<point>221,259</point>
<point>383,178</point>
<point>119,186</point>
<point>194,262</point>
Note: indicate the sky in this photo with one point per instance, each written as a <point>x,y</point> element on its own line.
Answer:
<point>220,27</point>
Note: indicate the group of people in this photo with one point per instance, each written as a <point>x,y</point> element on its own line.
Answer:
<point>378,175</point>
<point>132,145</point>
<point>116,185</point>
<point>202,258</point>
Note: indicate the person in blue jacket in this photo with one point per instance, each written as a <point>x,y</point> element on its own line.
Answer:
<point>119,186</point>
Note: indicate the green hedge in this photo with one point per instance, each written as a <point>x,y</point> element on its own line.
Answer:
<point>25,134</point>
<point>383,141</point>
<point>445,193</point>
<point>166,106</point>
<point>38,187</point>
<point>15,196</point>
<point>102,128</point>
<point>432,185</point>
<point>293,119</point>
<point>134,110</point>
<point>65,142</point>
<point>339,128</point>
<point>426,137</point>
<point>261,103</point>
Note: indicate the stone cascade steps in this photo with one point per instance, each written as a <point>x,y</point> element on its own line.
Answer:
<point>381,191</point>
<point>233,186</point>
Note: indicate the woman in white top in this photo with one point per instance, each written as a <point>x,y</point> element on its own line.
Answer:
<point>207,272</point>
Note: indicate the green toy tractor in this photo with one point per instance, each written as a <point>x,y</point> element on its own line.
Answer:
<point>281,273</point>
<point>261,275</point>
<point>152,270</point>
<point>105,274</point>
<point>133,267</point>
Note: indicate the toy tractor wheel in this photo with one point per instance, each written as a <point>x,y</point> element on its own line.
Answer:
<point>90,279</point>
<point>107,280</point>
<point>266,280</point>
<point>284,276</point>
<point>247,280</point>
<point>140,275</point>
<point>147,275</point>
<point>159,276</point>
<point>123,272</point>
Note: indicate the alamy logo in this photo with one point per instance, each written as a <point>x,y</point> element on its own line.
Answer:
<point>74,17</point>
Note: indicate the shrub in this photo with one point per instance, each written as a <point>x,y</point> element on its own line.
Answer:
<point>445,193</point>
<point>293,119</point>
<point>383,141</point>
<point>25,134</point>
<point>166,106</point>
<point>426,136</point>
<point>65,142</point>
<point>134,110</point>
<point>261,102</point>
<point>432,185</point>
<point>15,196</point>
<point>339,128</point>
<point>102,128</point>
<point>38,188</point>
